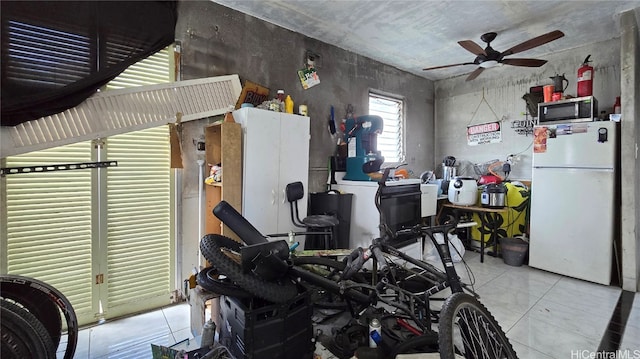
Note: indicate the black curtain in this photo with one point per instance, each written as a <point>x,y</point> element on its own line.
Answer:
<point>55,54</point>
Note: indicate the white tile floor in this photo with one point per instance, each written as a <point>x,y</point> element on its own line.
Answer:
<point>544,315</point>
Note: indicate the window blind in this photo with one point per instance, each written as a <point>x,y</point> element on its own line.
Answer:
<point>55,224</point>
<point>391,141</point>
<point>49,226</point>
<point>139,259</point>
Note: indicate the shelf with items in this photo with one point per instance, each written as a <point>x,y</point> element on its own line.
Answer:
<point>223,147</point>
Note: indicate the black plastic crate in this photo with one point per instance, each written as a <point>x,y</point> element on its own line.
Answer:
<point>254,328</point>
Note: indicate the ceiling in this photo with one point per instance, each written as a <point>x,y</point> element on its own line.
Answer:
<point>412,35</point>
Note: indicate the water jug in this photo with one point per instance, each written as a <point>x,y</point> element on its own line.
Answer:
<point>558,83</point>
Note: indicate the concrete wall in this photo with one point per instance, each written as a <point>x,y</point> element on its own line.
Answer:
<point>629,61</point>
<point>459,103</point>
<point>616,74</point>
<point>220,41</point>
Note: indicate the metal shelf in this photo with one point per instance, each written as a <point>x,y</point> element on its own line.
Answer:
<point>59,167</point>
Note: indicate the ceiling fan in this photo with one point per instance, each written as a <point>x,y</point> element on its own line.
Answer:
<point>488,57</point>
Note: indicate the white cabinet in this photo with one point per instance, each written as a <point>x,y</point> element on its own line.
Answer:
<point>275,153</point>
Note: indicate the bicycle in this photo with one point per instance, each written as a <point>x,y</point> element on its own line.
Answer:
<point>265,269</point>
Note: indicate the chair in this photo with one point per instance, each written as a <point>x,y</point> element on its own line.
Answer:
<point>322,224</point>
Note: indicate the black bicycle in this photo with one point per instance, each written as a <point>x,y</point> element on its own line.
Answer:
<point>389,290</point>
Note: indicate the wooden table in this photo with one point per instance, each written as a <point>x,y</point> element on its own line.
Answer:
<point>488,218</point>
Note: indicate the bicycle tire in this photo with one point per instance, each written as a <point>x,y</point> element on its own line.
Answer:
<point>54,296</point>
<point>37,303</point>
<point>212,280</point>
<point>23,335</point>
<point>480,337</point>
<point>211,246</point>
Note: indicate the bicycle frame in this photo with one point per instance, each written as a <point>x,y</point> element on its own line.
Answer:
<point>453,281</point>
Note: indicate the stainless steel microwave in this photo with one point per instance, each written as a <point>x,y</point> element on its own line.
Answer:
<point>579,109</point>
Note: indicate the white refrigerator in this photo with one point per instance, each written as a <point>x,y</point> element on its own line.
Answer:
<point>573,199</point>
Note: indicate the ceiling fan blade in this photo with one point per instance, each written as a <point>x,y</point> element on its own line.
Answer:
<point>524,62</point>
<point>535,42</point>
<point>472,47</point>
<point>475,73</point>
<point>445,66</point>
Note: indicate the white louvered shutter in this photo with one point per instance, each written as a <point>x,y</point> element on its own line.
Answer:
<point>104,240</point>
<point>150,71</point>
<point>140,245</point>
<point>390,141</point>
<point>49,225</point>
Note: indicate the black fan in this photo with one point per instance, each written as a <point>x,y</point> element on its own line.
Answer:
<point>489,57</point>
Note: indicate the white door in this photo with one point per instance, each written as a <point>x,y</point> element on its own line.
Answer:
<point>138,224</point>
<point>47,232</point>
<point>261,143</point>
<point>294,166</point>
<point>571,222</point>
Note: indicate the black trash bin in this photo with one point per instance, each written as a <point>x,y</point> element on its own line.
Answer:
<point>514,251</point>
<point>331,203</point>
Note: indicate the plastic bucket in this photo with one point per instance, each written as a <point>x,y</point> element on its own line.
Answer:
<point>514,251</point>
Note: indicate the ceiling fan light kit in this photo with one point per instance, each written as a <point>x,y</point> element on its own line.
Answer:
<point>488,64</point>
<point>488,57</point>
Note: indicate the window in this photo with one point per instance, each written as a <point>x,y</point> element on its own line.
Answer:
<point>150,71</point>
<point>111,224</point>
<point>391,141</point>
<point>43,58</point>
<point>52,61</point>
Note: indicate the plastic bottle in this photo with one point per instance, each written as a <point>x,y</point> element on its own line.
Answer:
<point>288,104</point>
<point>280,97</point>
<point>375,333</point>
<point>617,107</point>
<point>208,333</point>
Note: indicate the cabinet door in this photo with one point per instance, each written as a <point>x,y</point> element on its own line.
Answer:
<point>294,165</point>
<point>261,170</point>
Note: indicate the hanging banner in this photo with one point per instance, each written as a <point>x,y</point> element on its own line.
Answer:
<point>489,132</point>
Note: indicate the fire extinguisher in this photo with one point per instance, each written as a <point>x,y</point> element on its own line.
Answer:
<point>585,79</point>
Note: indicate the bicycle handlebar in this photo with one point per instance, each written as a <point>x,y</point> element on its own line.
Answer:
<point>354,262</point>
<point>356,259</point>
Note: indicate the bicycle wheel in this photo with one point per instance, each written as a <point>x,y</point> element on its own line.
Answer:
<point>467,328</point>
<point>15,284</point>
<point>212,246</point>
<point>23,335</point>
<point>212,280</point>
<point>37,303</point>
